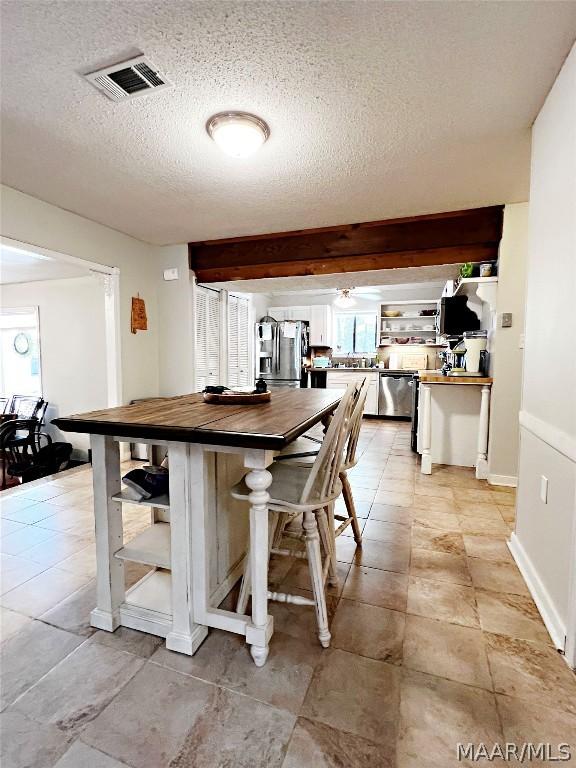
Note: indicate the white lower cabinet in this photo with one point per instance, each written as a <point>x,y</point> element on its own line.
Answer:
<point>340,380</point>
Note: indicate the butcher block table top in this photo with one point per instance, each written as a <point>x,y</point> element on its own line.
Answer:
<point>188,419</point>
<point>435,378</point>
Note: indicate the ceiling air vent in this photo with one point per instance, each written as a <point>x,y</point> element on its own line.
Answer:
<point>134,77</point>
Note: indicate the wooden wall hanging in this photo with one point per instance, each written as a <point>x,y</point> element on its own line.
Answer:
<point>138,320</point>
<point>434,239</point>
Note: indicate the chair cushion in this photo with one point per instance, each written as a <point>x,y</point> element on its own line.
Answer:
<point>288,482</point>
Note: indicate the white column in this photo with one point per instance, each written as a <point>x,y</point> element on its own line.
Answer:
<point>109,534</point>
<point>482,458</point>
<point>185,635</point>
<point>426,414</point>
<point>258,480</point>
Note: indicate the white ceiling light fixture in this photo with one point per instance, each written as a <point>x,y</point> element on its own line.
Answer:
<point>239,134</point>
<point>343,299</point>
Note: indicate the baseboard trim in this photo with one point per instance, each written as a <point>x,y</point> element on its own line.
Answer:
<point>510,481</point>
<point>553,622</point>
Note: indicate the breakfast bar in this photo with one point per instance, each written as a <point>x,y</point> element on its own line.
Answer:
<point>198,534</point>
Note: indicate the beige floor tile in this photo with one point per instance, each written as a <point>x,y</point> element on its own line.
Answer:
<point>478,510</point>
<point>69,697</point>
<point>15,571</point>
<point>441,600</point>
<point>11,623</point>
<point>528,723</point>
<point>224,659</point>
<point>513,615</point>
<point>56,548</point>
<point>73,613</point>
<point>487,548</point>
<point>446,650</point>
<point>508,514</point>
<point>11,506</point>
<point>315,745</point>
<point>394,499</point>
<point>299,576</point>
<point>369,631</point>
<point>195,724</point>
<point>29,744</point>
<point>42,592</point>
<point>482,495</point>
<point>438,714</point>
<point>497,577</point>
<point>432,518</point>
<point>388,513</point>
<point>27,513</point>
<point>129,640</point>
<point>374,554</point>
<point>532,672</point>
<point>9,526</point>
<point>375,587</point>
<point>434,504</point>
<point>81,755</point>
<point>436,491</point>
<point>43,492</point>
<point>504,499</point>
<point>82,563</point>
<point>437,540</point>
<point>439,566</point>
<point>29,655</point>
<point>300,620</point>
<point>483,526</point>
<point>23,540</point>
<point>355,694</point>
<point>392,533</point>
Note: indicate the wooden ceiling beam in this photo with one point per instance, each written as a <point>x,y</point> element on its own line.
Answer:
<point>446,238</point>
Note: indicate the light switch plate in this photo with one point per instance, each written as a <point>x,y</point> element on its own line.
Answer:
<point>544,489</point>
<point>171,274</point>
<point>506,320</point>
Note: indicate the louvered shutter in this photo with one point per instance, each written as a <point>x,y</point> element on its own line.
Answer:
<point>207,362</point>
<point>244,374</point>
<point>233,361</point>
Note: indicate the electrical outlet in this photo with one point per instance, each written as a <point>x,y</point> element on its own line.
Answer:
<point>543,489</point>
<point>506,320</point>
<point>171,274</point>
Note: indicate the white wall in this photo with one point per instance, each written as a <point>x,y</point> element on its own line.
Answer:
<point>72,346</point>
<point>544,543</point>
<point>507,356</point>
<point>29,220</point>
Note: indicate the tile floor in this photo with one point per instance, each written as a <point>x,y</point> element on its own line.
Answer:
<point>435,641</point>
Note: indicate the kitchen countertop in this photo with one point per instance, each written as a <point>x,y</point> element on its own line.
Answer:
<point>434,378</point>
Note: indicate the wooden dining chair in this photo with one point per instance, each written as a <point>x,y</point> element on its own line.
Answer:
<point>309,491</point>
<point>301,452</point>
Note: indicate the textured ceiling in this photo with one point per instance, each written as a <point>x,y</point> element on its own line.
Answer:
<point>377,109</point>
<point>20,266</point>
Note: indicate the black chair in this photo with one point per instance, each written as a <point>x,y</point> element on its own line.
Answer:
<point>36,407</point>
<point>16,437</point>
<point>26,406</point>
<point>48,460</point>
<point>4,403</point>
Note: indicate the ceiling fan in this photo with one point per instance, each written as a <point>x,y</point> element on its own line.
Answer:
<point>346,297</point>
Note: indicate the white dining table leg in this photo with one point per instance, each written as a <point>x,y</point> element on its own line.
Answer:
<point>185,635</point>
<point>482,457</point>
<point>110,589</point>
<point>426,413</point>
<point>258,480</point>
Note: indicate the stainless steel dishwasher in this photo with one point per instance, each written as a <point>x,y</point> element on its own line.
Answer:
<point>395,394</point>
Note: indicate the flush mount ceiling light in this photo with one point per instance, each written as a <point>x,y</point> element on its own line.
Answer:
<point>343,299</point>
<point>239,134</point>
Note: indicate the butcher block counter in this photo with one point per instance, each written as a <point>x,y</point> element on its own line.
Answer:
<point>198,535</point>
<point>437,378</point>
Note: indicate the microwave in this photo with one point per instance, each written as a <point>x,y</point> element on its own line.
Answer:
<point>454,316</point>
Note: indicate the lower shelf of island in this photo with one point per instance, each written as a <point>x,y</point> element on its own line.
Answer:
<point>148,604</point>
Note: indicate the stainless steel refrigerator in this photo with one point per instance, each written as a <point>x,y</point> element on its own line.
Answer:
<point>281,347</point>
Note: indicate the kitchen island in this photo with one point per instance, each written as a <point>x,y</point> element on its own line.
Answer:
<point>197,537</point>
<point>453,421</point>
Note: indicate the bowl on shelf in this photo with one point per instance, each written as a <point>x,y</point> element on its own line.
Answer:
<point>401,340</point>
<point>392,313</point>
<point>427,312</point>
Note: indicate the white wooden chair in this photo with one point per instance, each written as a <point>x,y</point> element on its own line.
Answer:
<point>309,491</point>
<point>301,452</point>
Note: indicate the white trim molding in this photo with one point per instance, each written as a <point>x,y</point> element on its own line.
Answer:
<point>540,594</point>
<point>556,438</point>
<point>510,481</point>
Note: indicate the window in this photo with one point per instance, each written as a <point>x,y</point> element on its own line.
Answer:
<point>356,333</point>
<point>20,352</point>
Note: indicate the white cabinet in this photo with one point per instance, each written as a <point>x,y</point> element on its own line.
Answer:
<point>208,334</point>
<point>290,313</point>
<point>238,342</point>
<point>340,380</point>
<point>321,326</point>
